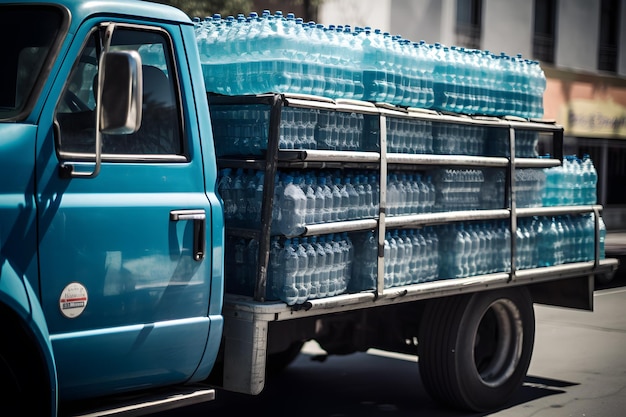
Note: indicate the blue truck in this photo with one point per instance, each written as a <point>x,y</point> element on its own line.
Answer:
<point>119,286</point>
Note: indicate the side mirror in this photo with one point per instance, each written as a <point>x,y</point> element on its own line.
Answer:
<point>121,92</point>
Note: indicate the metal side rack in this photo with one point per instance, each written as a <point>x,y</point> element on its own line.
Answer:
<point>376,153</point>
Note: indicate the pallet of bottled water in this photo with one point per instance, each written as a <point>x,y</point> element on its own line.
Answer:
<point>257,54</point>
<point>360,173</point>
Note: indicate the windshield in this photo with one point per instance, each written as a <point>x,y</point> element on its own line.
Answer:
<point>30,36</point>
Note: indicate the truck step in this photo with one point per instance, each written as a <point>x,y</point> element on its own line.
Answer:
<point>142,404</point>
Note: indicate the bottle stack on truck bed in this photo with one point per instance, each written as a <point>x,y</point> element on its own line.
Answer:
<point>391,171</point>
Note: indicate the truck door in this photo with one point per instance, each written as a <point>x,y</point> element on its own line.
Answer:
<point>124,283</point>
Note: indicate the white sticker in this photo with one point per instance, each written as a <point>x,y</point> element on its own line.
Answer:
<point>73,300</point>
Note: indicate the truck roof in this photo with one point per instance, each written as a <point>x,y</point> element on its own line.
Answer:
<point>82,9</point>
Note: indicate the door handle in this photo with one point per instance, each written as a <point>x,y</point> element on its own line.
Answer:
<point>199,229</point>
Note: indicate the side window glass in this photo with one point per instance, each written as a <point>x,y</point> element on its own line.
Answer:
<point>160,132</point>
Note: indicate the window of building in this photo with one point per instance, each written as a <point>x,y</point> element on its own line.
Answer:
<point>544,30</point>
<point>468,23</point>
<point>609,35</point>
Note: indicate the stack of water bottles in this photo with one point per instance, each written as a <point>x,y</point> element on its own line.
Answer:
<point>529,187</point>
<point>547,241</point>
<point>313,197</point>
<point>302,269</point>
<point>526,142</point>
<point>305,128</point>
<point>276,53</point>
<point>241,259</point>
<point>409,193</point>
<point>473,248</point>
<point>242,194</point>
<point>492,195</point>
<point>410,257</point>
<point>411,136</point>
<point>305,197</point>
<point>572,183</point>
<point>340,131</point>
<point>458,139</point>
<point>458,189</point>
<point>241,129</point>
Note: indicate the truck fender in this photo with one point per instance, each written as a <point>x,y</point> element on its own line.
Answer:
<point>22,315</point>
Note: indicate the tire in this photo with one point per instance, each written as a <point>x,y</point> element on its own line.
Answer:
<point>475,349</point>
<point>24,389</point>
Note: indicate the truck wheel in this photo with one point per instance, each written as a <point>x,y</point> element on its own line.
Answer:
<point>475,349</point>
<point>23,389</point>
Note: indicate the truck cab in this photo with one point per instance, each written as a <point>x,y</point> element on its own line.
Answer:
<point>110,259</point>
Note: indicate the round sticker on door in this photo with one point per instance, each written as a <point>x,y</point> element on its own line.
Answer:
<point>73,300</point>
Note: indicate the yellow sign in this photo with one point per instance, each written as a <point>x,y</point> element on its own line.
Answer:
<point>586,105</point>
<point>593,118</point>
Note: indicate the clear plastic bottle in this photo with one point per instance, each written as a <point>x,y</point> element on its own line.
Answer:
<point>288,290</point>
<point>275,268</point>
<point>329,265</point>
<point>303,281</point>
<point>323,267</point>
<point>311,266</point>
<point>589,237</point>
<point>392,195</point>
<point>397,250</point>
<point>365,274</point>
<point>589,180</point>
<point>292,209</point>
<point>311,200</point>
<point>347,246</point>
<point>549,236</point>
<point>337,266</point>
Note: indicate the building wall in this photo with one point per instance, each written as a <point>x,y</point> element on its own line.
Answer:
<point>506,26</point>
<point>373,13</point>
<point>578,23</point>
<point>428,20</point>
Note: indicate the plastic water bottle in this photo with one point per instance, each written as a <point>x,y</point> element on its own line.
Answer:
<point>292,209</point>
<point>275,268</point>
<point>323,267</point>
<point>365,263</point>
<point>348,247</point>
<point>311,201</point>
<point>396,251</point>
<point>288,290</point>
<point>317,272</point>
<point>389,267</point>
<point>361,205</point>
<point>303,280</point>
<point>393,195</point>
<point>460,262</point>
<point>309,271</point>
<point>589,180</point>
<point>549,236</point>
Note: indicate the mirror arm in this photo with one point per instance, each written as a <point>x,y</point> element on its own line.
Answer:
<point>67,170</point>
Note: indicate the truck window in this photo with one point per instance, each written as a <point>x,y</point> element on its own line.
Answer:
<point>27,50</point>
<point>160,132</point>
